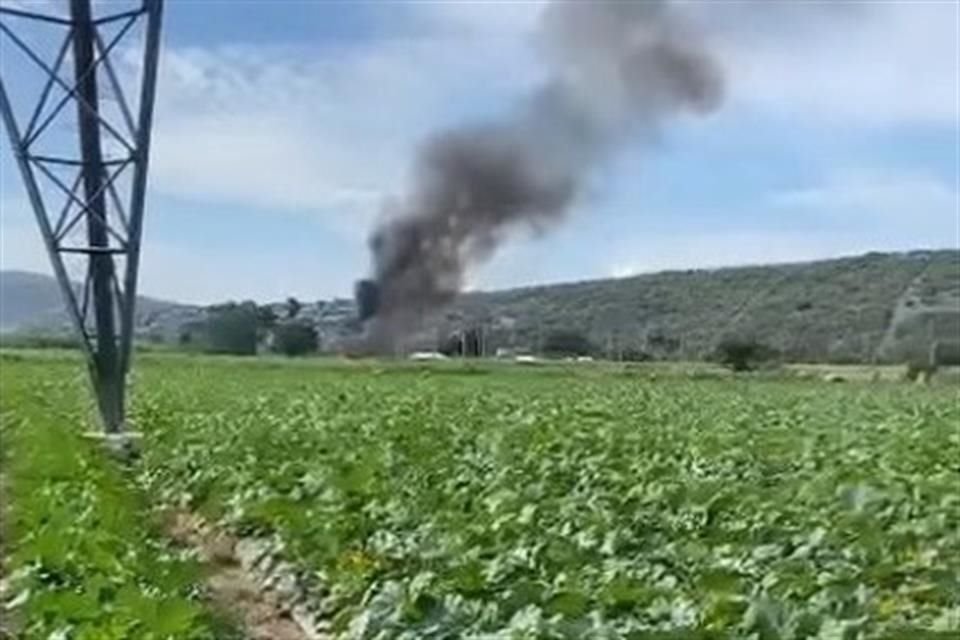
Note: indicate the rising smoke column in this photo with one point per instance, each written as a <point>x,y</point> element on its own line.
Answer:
<point>617,70</point>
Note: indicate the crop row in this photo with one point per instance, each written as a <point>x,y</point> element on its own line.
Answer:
<point>533,505</point>
<point>83,559</point>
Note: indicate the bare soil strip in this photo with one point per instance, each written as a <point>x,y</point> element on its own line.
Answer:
<point>243,582</point>
<point>900,311</point>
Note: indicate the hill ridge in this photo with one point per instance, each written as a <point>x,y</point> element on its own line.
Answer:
<point>858,308</point>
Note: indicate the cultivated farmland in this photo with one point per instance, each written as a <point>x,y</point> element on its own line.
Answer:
<point>453,502</point>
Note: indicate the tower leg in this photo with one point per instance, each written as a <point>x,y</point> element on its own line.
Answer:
<point>109,377</point>
<point>103,313</point>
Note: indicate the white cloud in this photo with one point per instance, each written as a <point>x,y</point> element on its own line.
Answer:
<point>709,250</point>
<point>712,250</point>
<point>61,9</point>
<point>240,127</point>
<point>878,63</point>
<point>321,132</point>
<point>331,132</point>
<point>850,212</point>
<point>886,198</point>
<point>43,7</point>
<point>488,17</point>
<point>858,63</point>
<point>328,131</point>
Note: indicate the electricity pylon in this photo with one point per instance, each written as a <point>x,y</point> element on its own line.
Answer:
<point>102,310</point>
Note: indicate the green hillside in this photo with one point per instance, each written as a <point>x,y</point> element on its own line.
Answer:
<point>853,309</point>
<point>884,307</point>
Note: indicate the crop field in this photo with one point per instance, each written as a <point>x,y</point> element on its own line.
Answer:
<point>490,503</point>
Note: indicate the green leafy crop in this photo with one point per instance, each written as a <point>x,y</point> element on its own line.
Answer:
<point>536,505</point>
<point>522,504</point>
<point>82,558</point>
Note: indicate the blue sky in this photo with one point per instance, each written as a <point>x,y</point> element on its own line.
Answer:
<point>282,125</point>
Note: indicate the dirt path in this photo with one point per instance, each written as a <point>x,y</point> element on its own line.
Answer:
<point>900,313</point>
<point>266,610</point>
<point>234,586</point>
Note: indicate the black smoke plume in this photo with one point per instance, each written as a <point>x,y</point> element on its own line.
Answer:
<point>617,70</point>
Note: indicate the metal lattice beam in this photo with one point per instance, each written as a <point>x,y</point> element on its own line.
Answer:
<point>104,315</point>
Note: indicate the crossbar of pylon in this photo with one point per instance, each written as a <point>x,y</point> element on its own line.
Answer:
<point>104,318</point>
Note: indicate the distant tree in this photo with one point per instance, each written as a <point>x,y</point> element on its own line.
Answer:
<point>293,307</point>
<point>565,342</point>
<point>266,316</point>
<point>295,338</point>
<point>232,328</point>
<point>742,354</point>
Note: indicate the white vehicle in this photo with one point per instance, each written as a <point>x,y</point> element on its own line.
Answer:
<point>427,355</point>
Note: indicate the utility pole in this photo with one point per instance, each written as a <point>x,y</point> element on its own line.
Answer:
<point>102,311</point>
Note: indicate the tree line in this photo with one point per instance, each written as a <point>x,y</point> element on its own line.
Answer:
<point>245,328</point>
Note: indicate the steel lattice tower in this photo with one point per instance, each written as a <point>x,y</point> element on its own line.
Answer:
<point>102,311</point>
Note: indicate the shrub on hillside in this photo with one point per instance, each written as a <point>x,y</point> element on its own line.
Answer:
<point>743,354</point>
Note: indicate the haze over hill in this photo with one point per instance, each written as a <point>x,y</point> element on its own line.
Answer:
<point>32,302</point>
<point>26,297</point>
